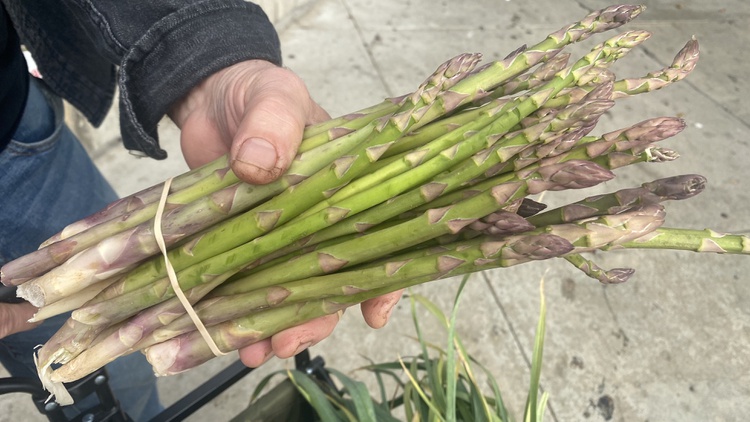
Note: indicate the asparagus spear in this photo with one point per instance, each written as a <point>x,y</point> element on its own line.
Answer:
<point>669,188</point>
<point>137,200</point>
<point>691,240</point>
<point>79,236</point>
<point>139,243</point>
<point>613,276</point>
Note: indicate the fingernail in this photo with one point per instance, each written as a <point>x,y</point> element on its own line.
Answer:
<point>259,153</point>
<point>302,347</point>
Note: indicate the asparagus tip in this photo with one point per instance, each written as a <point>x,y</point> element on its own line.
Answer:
<point>530,207</point>
<point>616,275</point>
<point>677,187</point>
<point>542,246</point>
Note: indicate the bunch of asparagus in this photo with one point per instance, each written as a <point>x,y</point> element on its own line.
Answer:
<point>434,184</point>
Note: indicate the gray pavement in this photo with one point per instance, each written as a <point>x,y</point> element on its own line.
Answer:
<point>669,345</point>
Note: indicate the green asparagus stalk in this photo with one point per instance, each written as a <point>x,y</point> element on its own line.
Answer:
<point>329,130</point>
<point>691,240</point>
<point>80,236</point>
<point>613,276</point>
<point>670,188</point>
<point>608,231</point>
<point>666,238</point>
<point>542,74</point>
<point>137,200</point>
<point>95,351</point>
<point>71,302</point>
<point>683,63</point>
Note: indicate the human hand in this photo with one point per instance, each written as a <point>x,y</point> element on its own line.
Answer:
<point>257,112</point>
<point>14,318</point>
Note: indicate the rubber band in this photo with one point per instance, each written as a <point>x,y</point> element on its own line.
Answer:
<point>173,276</point>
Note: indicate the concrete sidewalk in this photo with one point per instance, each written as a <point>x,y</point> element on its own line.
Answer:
<point>669,345</point>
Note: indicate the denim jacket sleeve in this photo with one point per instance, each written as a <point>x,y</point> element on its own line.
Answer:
<point>162,48</point>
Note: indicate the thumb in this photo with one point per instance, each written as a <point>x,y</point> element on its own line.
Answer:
<point>277,109</point>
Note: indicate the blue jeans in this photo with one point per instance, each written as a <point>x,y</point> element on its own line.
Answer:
<point>47,181</point>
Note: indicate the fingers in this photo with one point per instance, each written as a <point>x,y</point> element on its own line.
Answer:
<point>277,109</point>
<point>14,317</point>
<point>256,354</point>
<point>376,311</point>
<point>292,341</point>
<point>289,342</point>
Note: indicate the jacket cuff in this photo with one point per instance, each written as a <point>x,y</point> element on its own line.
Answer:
<point>179,52</point>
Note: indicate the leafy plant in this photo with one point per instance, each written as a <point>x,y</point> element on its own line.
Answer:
<point>438,384</point>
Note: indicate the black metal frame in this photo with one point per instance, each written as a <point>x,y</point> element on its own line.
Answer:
<point>108,409</point>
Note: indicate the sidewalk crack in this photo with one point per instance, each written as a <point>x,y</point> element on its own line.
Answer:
<point>370,56</point>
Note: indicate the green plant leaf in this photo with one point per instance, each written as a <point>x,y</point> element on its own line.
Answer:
<point>500,409</point>
<point>262,384</point>
<point>363,405</point>
<point>451,371</point>
<point>415,384</point>
<point>536,360</point>
<point>314,395</point>
<point>542,405</point>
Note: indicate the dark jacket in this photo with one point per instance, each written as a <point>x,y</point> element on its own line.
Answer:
<point>153,50</point>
